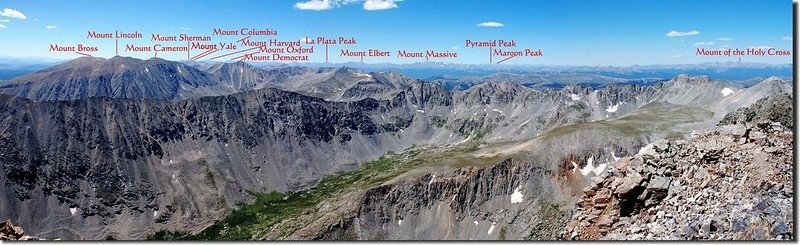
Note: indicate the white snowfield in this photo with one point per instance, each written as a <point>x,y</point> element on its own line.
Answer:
<point>727,91</point>
<point>612,108</point>
<point>517,196</point>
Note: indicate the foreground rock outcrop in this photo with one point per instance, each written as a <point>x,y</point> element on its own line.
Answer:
<point>776,108</point>
<point>11,232</point>
<point>731,182</point>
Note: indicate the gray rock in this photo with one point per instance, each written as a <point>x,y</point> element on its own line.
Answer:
<point>780,229</point>
<point>658,183</point>
<point>628,183</point>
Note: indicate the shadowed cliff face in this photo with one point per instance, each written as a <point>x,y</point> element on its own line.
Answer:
<point>510,200</point>
<point>104,158</point>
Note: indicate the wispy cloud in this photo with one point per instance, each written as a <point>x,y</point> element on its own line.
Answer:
<point>677,56</point>
<point>320,5</point>
<point>681,34</point>
<point>2,26</point>
<point>704,43</point>
<point>723,39</point>
<point>316,5</point>
<point>454,48</point>
<point>12,13</point>
<point>491,24</point>
<point>185,28</point>
<point>760,47</point>
<point>51,27</point>
<point>5,20</point>
<point>380,4</point>
<point>787,38</point>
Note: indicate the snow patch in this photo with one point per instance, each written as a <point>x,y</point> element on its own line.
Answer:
<point>590,168</point>
<point>491,228</point>
<point>399,222</point>
<point>516,197</point>
<point>73,211</point>
<point>501,112</point>
<point>155,213</point>
<point>179,69</point>
<point>146,70</point>
<point>465,140</point>
<point>574,97</point>
<point>649,150</point>
<point>727,91</point>
<point>432,178</point>
<point>574,166</point>
<point>612,108</point>
<point>475,222</point>
<point>613,156</point>
<point>420,111</point>
<point>599,169</point>
<point>525,122</point>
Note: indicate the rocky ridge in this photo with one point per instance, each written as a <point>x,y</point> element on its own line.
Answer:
<point>731,182</point>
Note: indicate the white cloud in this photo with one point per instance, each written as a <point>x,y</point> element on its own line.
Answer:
<point>681,34</point>
<point>185,28</point>
<point>454,47</point>
<point>723,39</point>
<point>12,13</point>
<point>316,5</point>
<point>305,40</point>
<point>787,38</point>
<point>491,24</point>
<point>380,4</point>
<point>320,5</point>
<point>2,26</point>
<point>677,56</point>
<point>51,27</point>
<point>5,20</point>
<point>725,46</point>
<point>704,43</point>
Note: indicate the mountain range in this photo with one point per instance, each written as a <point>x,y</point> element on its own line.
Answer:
<point>128,149</point>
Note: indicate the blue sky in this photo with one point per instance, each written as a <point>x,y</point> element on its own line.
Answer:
<point>617,33</point>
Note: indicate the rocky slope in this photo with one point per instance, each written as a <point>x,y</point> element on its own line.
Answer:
<point>127,167</point>
<point>776,108</point>
<point>118,77</point>
<point>488,197</point>
<point>731,182</point>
